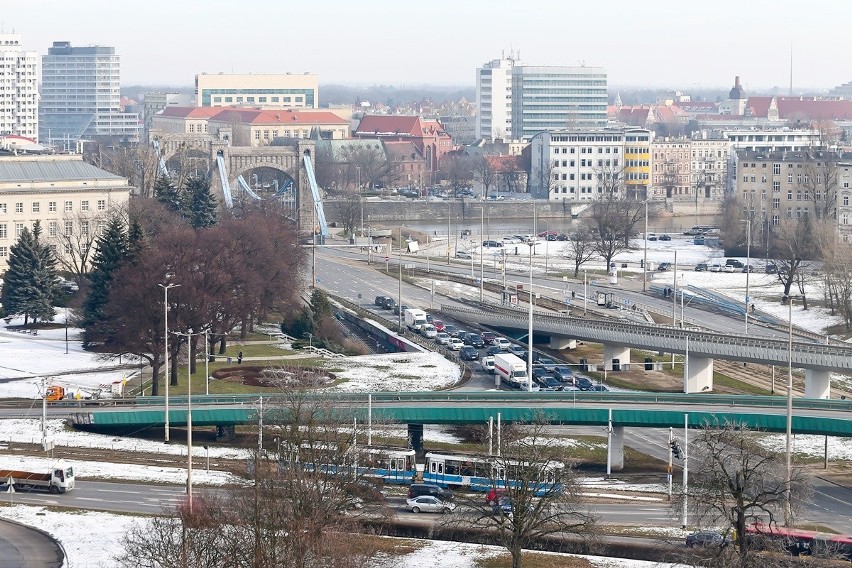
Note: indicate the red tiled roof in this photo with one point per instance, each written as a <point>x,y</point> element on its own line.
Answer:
<point>390,124</point>
<point>505,163</point>
<point>296,117</point>
<point>759,106</point>
<point>813,109</point>
<point>189,112</point>
<point>634,116</point>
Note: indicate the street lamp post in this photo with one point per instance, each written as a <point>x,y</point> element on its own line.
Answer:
<point>360,198</point>
<point>546,235</point>
<point>166,341</point>
<point>188,414</point>
<point>481,250</point>
<point>788,490</point>
<point>530,330</point>
<point>399,293</point>
<point>585,291</point>
<point>747,268</point>
<point>645,260</point>
<point>448,233</point>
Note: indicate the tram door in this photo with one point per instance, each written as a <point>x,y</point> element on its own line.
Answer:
<point>436,468</point>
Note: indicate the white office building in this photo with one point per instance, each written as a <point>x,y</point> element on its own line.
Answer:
<point>80,95</point>
<point>18,88</point>
<point>518,101</point>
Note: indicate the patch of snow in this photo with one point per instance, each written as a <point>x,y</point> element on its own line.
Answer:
<point>810,445</point>
<point>394,372</point>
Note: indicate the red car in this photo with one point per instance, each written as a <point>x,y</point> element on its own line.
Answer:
<point>439,325</point>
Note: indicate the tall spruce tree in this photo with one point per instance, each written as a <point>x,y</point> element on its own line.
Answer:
<point>135,239</point>
<point>165,192</point>
<point>31,279</point>
<point>202,203</point>
<point>112,251</point>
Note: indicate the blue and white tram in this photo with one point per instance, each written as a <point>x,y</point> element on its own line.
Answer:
<point>391,465</point>
<point>473,472</point>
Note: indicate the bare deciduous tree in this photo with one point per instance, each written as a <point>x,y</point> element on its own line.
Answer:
<point>735,482</point>
<point>73,235</point>
<point>544,496</point>
<point>485,172</point>
<point>581,247</point>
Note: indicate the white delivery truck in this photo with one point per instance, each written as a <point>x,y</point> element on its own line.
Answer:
<point>511,369</point>
<point>57,479</point>
<point>415,318</point>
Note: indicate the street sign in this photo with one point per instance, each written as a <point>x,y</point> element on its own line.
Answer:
<point>387,258</point>
<point>408,266</point>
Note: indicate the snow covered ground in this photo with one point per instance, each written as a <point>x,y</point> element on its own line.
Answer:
<point>98,548</point>
<point>395,372</point>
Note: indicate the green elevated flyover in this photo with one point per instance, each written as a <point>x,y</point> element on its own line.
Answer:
<point>642,410</point>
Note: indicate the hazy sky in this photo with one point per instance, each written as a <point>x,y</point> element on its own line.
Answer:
<point>652,43</point>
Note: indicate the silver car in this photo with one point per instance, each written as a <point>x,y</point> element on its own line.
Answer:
<point>429,504</point>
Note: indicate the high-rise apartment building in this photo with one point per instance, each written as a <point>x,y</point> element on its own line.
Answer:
<point>80,95</point>
<point>18,88</point>
<point>267,91</point>
<point>518,101</point>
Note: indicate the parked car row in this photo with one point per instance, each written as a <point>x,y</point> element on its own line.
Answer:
<point>732,265</point>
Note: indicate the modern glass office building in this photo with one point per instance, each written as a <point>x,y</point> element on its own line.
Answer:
<point>81,96</point>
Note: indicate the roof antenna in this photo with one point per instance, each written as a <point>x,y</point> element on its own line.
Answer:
<point>791,67</point>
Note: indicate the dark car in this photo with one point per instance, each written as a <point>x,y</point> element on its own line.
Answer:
<point>493,350</point>
<point>652,238</point>
<point>492,244</point>
<point>664,266</point>
<point>549,383</point>
<point>380,301</point>
<point>701,267</point>
<point>451,330</point>
<point>563,373</point>
<point>561,237</point>
<point>430,318</point>
<point>488,337</point>
<point>545,362</point>
<point>583,383</point>
<point>468,353</point>
<point>748,268</point>
<point>474,340</point>
<point>734,262</point>
<point>390,303</point>
<point>771,268</point>
<point>418,489</point>
<point>463,335</point>
<point>552,237</point>
<point>399,309</point>
<point>665,238</point>
<point>597,388</point>
<point>705,538</point>
<point>539,372</point>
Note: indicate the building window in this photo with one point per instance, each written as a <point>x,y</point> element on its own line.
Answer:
<point>257,134</point>
<point>69,206</point>
<point>789,195</point>
<point>36,206</point>
<point>69,228</point>
<point>776,202</point>
<point>3,231</point>
<point>19,207</point>
<point>2,207</point>
<point>84,205</point>
<point>52,228</point>
<point>846,201</point>
<point>51,206</point>
<point>84,228</point>
<point>789,212</point>
<point>101,204</point>
<point>775,220</point>
<point>4,252</point>
<point>776,187</point>
<point>776,169</point>
<point>19,228</point>
<point>789,178</point>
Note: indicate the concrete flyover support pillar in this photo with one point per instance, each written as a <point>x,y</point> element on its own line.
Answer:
<point>562,342</point>
<point>619,352</point>
<point>817,384</point>
<point>616,448</point>
<point>415,438</point>
<point>697,374</point>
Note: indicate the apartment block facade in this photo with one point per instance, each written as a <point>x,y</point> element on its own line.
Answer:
<point>584,165</point>
<point>519,101</point>
<point>18,88</point>
<point>817,183</point>
<point>81,95</point>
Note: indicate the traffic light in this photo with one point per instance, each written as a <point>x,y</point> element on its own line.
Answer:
<point>676,451</point>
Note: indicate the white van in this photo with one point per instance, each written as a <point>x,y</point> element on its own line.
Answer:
<point>487,364</point>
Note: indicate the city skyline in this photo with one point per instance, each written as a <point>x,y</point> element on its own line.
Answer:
<point>381,42</point>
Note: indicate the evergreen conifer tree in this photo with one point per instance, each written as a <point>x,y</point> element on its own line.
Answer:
<point>135,240</point>
<point>202,203</point>
<point>31,279</point>
<point>165,192</point>
<point>112,251</point>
